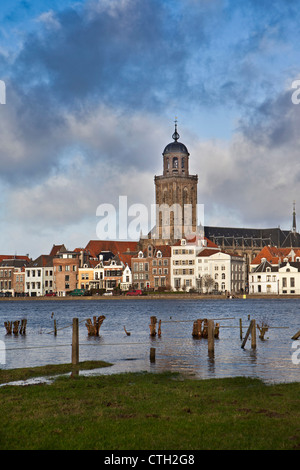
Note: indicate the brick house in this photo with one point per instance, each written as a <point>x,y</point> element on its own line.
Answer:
<point>65,267</point>
<point>151,268</point>
<point>9,266</point>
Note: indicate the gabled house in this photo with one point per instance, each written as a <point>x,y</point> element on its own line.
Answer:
<point>39,276</point>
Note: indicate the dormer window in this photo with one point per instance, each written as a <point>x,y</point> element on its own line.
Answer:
<point>183,242</point>
<point>140,255</point>
<point>268,270</point>
<point>159,254</point>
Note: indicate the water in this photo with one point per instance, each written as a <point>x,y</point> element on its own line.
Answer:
<point>176,350</point>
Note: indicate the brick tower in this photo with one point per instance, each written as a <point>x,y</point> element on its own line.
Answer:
<point>176,195</point>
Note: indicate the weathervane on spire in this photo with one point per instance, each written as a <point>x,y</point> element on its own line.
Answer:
<point>175,136</point>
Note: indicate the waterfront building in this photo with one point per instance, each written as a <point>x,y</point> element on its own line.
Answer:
<point>65,267</point>
<point>39,276</point>
<point>220,271</point>
<point>151,268</point>
<point>12,274</point>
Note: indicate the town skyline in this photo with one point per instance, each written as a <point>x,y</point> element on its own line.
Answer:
<point>93,88</point>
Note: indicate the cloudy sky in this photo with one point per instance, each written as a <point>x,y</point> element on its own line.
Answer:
<point>92,90</point>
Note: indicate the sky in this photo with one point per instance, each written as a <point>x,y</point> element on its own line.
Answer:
<point>92,91</point>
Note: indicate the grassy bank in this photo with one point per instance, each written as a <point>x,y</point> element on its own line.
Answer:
<point>150,411</point>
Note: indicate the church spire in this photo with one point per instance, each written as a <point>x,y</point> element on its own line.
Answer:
<point>294,217</point>
<point>175,136</point>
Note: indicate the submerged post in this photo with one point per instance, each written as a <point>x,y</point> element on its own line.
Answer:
<point>253,334</point>
<point>152,355</point>
<point>75,342</point>
<point>211,335</point>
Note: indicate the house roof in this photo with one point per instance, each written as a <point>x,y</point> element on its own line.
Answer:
<point>9,257</point>
<point>42,261</point>
<point>124,249</point>
<point>56,249</point>
<point>275,255</point>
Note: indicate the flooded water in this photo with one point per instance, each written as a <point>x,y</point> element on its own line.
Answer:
<point>176,349</point>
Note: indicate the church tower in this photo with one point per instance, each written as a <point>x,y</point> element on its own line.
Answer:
<point>176,194</point>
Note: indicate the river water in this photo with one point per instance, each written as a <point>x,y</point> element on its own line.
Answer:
<point>274,360</point>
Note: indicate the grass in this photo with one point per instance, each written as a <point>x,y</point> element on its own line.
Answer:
<point>145,411</point>
<point>12,375</point>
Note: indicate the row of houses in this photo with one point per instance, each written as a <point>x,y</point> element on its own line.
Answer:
<point>198,265</point>
<point>106,266</point>
<point>275,271</point>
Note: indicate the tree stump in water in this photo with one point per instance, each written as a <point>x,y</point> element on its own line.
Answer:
<point>8,327</point>
<point>23,326</point>
<point>94,328</point>
<point>217,330</point>
<point>197,328</point>
<point>152,326</point>
<point>262,330</point>
<point>159,329</point>
<point>16,327</point>
<point>205,328</point>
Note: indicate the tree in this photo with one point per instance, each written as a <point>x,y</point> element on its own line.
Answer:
<point>208,282</point>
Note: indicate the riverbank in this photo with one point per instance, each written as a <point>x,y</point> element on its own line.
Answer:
<point>158,296</point>
<point>146,411</point>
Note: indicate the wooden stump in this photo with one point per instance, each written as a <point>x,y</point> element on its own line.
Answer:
<point>152,326</point>
<point>8,327</point>
<point>94,328</point>
<point>23,326</point>
<point>217,330</point>
<point>159,329</point>
<point>296,336</point>
<point>16,327</point>
<point>197,328</point>
<point>262,330</point>
<point>205,328</point>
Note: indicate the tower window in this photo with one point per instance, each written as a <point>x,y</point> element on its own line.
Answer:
<point>175,162</point>
<point>182,163</point>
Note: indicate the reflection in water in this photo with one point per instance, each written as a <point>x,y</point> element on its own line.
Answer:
<point>175,350</point>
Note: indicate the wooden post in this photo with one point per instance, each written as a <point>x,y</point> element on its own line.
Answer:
<point>55,329</point>
<point>16,327</point>
<point>75,342</point>
<point>23,326</point>
<point>152,326</point>
<point>197,328</point>
<point>253,334</point>
<point>211,335</point>
<point>241,330</point>
<point>204,332</point>
<point>159,329</point>
<point>296,336</point>
<point>8,327</point>
<point>152,355</point>
<point>246,336</point>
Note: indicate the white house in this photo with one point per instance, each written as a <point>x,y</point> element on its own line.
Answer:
<point>220,271</point>
<point>126,279</point>
<point>283,278</point>
<point>39,276</point>
<point>263,278</point>
<point>183,257</point>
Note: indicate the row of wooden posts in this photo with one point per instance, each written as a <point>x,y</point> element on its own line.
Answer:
<point>201,329</point>
<point>16,327</point>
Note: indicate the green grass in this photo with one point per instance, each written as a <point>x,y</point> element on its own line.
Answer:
<point>150,411</point>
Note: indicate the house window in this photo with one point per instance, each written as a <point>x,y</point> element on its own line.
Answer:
<point>292,282</point>
<point>284,283</point>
